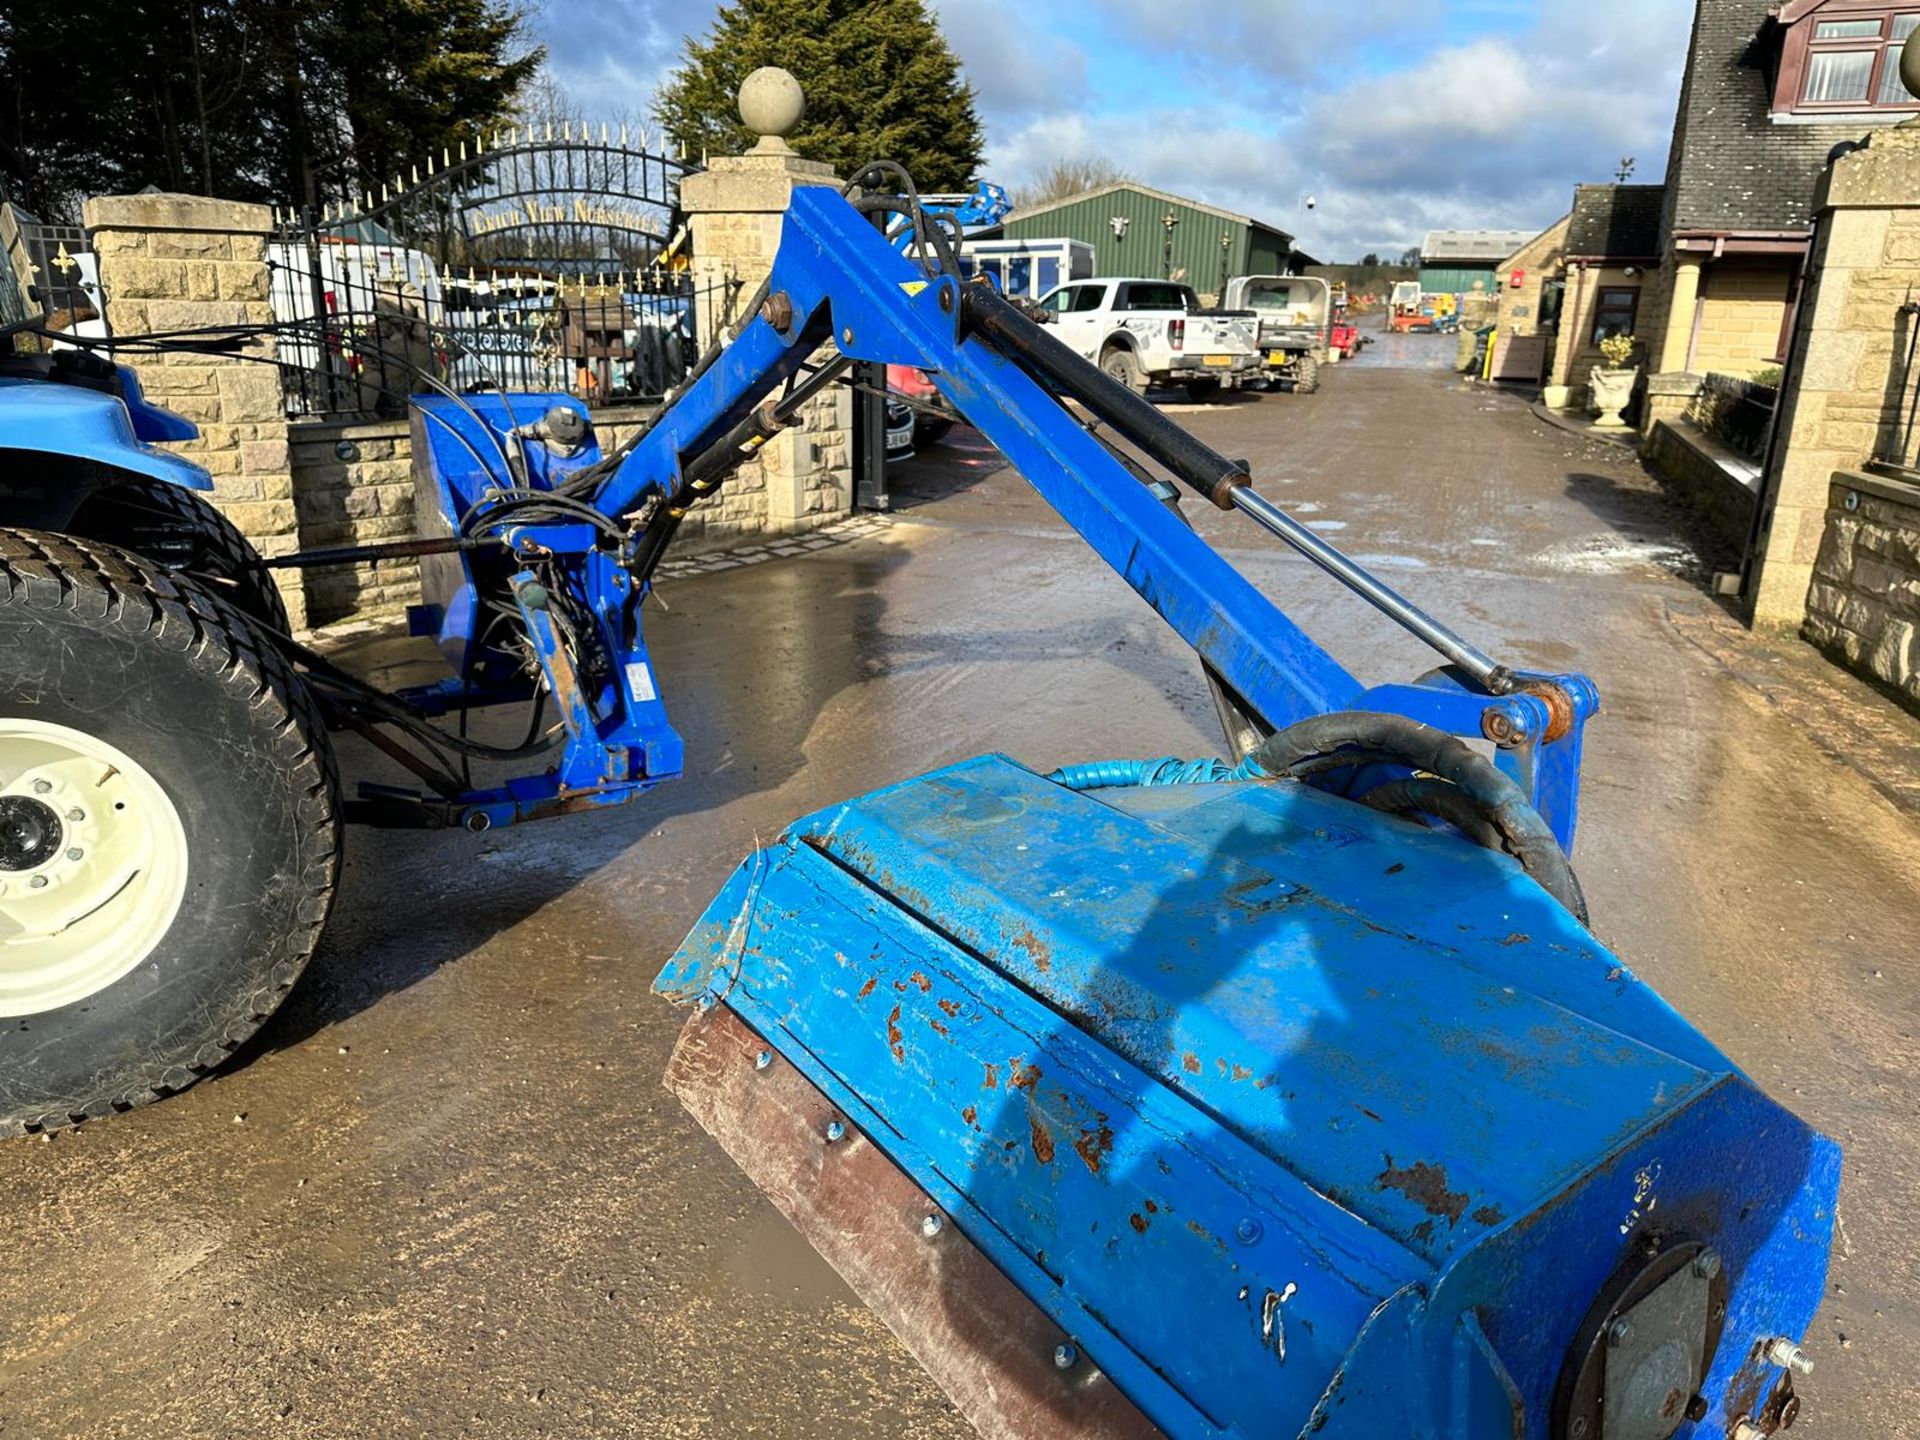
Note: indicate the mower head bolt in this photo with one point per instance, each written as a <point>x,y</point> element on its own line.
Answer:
<point>1788,1355</point>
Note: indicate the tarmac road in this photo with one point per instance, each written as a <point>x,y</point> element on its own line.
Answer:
<point>444,1195</point>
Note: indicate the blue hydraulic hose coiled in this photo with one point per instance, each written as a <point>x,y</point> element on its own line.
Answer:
<point>1448,781</point>
<point>1169,770</point>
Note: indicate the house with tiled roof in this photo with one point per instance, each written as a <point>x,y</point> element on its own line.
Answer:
<point>1613,244</point>
<point>1704,269</point>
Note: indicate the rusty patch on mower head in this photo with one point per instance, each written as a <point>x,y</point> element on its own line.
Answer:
<point>1426,1186</point>
<point>1041,1137</point>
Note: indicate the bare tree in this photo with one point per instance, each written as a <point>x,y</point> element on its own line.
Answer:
<point>1069,177</point>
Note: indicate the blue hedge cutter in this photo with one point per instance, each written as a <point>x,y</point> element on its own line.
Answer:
<point>1286,1094</point>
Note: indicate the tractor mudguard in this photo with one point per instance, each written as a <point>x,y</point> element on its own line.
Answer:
<point>154,422</point>
<point>60,442</point>
<point>1245,1110</point>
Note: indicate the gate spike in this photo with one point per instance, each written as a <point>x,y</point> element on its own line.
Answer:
<point>446,157</point>
<point>603,132</point>
<point>416,173</point>
<point>429,164</point>
<point>549,131</point>
<point>383,192</point>
<point>463,149</point>
<point>623,134</point>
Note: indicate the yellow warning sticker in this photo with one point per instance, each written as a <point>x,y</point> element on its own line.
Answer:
<point>913,287</point>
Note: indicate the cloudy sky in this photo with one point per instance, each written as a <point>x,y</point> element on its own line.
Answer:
<point>1397,116</point>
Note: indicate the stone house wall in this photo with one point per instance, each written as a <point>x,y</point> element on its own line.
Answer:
<point>1575,355</point>
<point>1843,392</point>
<point>1539,261</point>
<point>1743,304</point>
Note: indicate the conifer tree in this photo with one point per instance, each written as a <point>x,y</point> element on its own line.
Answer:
<point>880,82</point>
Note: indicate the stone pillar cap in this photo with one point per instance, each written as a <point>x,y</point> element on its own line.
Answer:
<point>771,104</point>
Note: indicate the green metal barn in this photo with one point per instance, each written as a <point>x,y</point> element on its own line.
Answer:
<point>1127,225</point>
<point>1452,261</point>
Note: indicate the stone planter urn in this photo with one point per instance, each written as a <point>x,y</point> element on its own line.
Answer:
<point>1612,391</point>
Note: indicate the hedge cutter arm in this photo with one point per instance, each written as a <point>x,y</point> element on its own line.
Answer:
<point>837,282</point>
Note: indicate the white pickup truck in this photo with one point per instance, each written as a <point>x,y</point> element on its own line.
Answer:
<point>1145,332</point>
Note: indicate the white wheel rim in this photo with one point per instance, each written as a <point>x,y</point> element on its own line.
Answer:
<point>93,865</point>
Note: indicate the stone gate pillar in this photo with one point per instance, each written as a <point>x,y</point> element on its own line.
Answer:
<point>1842,392</point>
<point>734,210</point>
<point>183,262</point>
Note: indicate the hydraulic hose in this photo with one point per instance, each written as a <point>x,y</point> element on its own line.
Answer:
<point>1451,782</point>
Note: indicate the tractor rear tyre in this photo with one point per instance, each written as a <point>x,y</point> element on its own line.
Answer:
<point>175,528</point>
<point>1306,375</point>
<point>169,830</point>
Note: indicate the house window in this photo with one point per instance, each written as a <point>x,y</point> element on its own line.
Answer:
<point>1614,311</point>
<point>1848,63</point>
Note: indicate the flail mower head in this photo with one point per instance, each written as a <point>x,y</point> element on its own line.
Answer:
<point>1242,1109</point>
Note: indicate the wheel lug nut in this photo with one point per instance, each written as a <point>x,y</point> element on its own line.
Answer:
<point>38,882</point>
<point>76,815</point>
<point>41,787</point>
<point>76,853</point>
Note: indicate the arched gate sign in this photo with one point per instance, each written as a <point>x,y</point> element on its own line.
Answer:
<point>540,261</point>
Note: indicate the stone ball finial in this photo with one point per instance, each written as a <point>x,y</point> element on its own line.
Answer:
<point>771,104</point>
<point>1910,64</point>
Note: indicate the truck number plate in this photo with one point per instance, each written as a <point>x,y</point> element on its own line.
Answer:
<point>1220,360</point>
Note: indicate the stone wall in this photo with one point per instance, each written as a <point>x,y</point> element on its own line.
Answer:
<point>1718,484</point>
<point>178,262</point>
<point>1863,607</point>
<point>353,485</point>
<point>1843,394</point>
<point>803,477</point>
<point>184,262</point>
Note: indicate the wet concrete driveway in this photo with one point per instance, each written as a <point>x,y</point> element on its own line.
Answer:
<point>444,1194</point>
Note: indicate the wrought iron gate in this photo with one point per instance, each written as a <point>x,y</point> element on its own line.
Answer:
<point>535,261</point>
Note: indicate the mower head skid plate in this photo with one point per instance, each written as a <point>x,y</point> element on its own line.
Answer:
<point>1294,1118</point>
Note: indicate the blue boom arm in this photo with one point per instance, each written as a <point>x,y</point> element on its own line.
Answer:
<point>836,279</point>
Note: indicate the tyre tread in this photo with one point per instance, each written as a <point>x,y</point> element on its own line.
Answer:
<point>101,582</point>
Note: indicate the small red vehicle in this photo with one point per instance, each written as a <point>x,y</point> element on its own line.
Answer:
<point>933,417</point>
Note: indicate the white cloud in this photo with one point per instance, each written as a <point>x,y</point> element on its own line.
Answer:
<point>1016,71</point>
<point>1252,104</point>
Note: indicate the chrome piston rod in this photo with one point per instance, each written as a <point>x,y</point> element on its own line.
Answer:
<point>1497,678</point>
